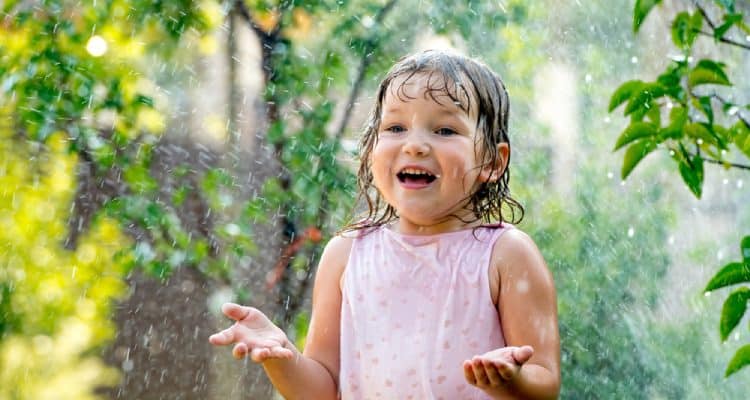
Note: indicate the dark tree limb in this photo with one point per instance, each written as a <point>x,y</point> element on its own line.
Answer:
<point>712,24</point>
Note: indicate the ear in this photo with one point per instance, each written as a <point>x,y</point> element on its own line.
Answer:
<point>493,172</point>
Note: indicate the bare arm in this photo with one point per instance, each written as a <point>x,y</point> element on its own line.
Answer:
<point>314,374</point>
<point>529,367</point>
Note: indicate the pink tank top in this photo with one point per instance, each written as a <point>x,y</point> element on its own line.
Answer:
<point>413,309</point>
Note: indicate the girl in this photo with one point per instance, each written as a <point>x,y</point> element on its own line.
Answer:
<point>433,295</point>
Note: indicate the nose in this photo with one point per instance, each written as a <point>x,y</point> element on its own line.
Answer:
<point>416,144</point>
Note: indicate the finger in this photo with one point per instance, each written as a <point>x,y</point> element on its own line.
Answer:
<point>469,373</point>
<point>281,352</point>
<point>479,373</point>
<point>235,311</point>
<point>522,354</point>
<point>239,351</point>
<point>493,376</point>
<point>260,354</point>
<point>505,370</point>
<point>222,338</point>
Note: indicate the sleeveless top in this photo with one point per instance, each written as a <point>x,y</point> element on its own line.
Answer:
<point>413,309</point>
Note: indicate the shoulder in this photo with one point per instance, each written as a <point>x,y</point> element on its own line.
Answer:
<point>335,257</point>
<point>515,256</point>
<point>339,247</point>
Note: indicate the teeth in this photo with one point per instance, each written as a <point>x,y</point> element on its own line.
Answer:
<point>414,171</point>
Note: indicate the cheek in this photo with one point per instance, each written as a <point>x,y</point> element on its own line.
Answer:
<point>380,163</point>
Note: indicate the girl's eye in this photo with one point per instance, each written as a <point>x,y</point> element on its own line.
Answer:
<point>446,132</point>
<point>395,129</point>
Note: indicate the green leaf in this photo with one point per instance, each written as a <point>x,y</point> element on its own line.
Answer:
<point>730,274</point>
<point>740,136</point>
<point>706,107</point>
<point>745,249</point>
<point>697,130</point>
<point>623,93</point>
<point>685,29</point>
<point>691,170</point>
<point>708,72</point>
<point>642,8</point>
<point>733,310</point>
<point>678,116</point>
<point>729,21</point>
<point>726,4</point>
<point>642,99</point>
<point>741,359</point>
<point>635,131</point>
<point>634,154</point>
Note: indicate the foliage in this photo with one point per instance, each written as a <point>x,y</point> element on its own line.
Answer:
<point>54,303</point>
<point>85,76</point>
<point>690,111</point>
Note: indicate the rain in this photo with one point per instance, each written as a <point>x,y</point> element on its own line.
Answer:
<point>160,159</point>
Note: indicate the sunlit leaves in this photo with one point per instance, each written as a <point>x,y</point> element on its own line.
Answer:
<point>54,303</point>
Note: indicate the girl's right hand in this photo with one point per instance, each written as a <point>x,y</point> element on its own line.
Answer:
<point>254,334</point>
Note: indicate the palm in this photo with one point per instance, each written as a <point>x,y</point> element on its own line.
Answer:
<point>252,333</point>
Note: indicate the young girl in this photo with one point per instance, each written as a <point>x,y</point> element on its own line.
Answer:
<point>433,295</point>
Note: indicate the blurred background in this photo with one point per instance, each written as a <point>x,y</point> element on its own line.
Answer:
<point>158,158</point>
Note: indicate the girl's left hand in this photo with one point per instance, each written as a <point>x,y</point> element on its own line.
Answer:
<point>497,368</point>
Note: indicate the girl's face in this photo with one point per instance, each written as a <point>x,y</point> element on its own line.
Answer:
<point>425,160</point>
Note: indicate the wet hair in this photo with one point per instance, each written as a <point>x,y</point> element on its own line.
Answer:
<point>463,80</point>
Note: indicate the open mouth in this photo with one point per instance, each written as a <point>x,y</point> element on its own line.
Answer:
<point>414,176</point>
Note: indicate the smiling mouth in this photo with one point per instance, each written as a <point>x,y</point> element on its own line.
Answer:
<point>411,176</point>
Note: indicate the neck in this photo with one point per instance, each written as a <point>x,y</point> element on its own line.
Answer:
<point>448,224</point>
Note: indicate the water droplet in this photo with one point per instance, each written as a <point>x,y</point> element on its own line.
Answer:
<point>631,232</point>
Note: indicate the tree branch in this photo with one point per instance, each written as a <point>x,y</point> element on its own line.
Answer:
<point>726,102</point>
<point>711,23</point>
<point>726,163</point>
<point>725,40</point>
<point>364,63</point>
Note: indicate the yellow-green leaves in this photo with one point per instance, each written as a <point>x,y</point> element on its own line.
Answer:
<point>634,154</point>
<point>685,28</point>
<point>624,92</point>
<point>635,131</point>
<point>708,72</point>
